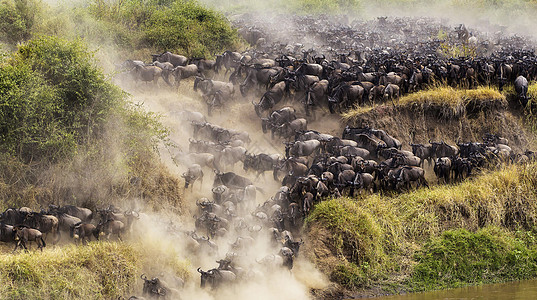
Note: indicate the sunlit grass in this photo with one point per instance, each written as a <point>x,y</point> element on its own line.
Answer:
<point>445,101</point>
<point>100,270</point>
<point>446,95</point>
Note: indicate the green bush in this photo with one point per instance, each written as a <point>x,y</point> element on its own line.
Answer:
<point>180,26</point>
<point>52,97</point>
<point>18,19</point>
<point>459,257</point>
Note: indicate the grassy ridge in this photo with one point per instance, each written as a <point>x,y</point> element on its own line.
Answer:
<point>100,270</point>
<point>375,238</point>
<point>443,101</point>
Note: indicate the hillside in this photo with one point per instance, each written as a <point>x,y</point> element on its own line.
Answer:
<point>193,168</point>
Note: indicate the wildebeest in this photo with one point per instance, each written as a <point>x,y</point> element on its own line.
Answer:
<point>183,72</point>
<point>305,148</point>
<point>214,277</point>
<point>149,73</point>
<point>154,287</point>
<point>288,130</point>
<point>66,221</point>
<point>260,163</point>
<point>424,152</point>
<point>229,156</point>
<point>13,216</point>
<point>7,235</point>
<point>193,173</point>
<point>442,169</point>
<point>24,234</point>
<point>442,149</point>
<point>174,59</point>
<point>202,159</point>
<point>317,95</point>
<point>110,227</point>
<point>406,175</point>
<point>231,180</point>
<point>271,97</point>
<point>278,117</point>
<point>84,214</point>
<point>521,89</point>
<point>44,223</point>
<point>83,232</point>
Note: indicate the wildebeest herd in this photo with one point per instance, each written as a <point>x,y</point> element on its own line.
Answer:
<point>22,225</point>
<point>347,66</point>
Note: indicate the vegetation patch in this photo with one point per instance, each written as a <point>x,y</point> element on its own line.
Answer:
<point>68,135</point>
<point>439,101</point>
<point>100,270</point>
<point>379,240</point>
<point>459,257</point>
<point>447,102</point>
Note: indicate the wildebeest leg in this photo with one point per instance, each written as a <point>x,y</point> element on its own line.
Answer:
<point>16,245</point>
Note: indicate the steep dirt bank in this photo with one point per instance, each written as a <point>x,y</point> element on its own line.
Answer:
<point>419,125</point>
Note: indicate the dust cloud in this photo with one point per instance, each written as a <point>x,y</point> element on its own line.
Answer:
<point>261,274</point>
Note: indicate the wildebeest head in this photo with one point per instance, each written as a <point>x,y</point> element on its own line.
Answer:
<point>153,286</point>
<point>188,179</point>
<point>206,277</point>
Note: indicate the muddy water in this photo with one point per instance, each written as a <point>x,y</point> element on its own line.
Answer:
<point>519,290</point>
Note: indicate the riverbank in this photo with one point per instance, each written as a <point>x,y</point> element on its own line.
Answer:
<point>475,232</point>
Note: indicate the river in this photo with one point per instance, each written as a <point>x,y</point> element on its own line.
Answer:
<point>519,290</point>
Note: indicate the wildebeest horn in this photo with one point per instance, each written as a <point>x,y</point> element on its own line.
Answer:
<point>198,202</point>
<point>183,175</point>
<point>143,277</point>
<point>200,270</point>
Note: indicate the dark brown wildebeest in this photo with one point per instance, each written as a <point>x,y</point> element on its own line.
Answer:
<point>110,227</point>
<point>148,73</point>
<point>406,175</point>
<point>442,169</point>
<point>424,152</point>
<point>6,233</point>
<point>24,234</point>
<point>84,231</point>
<point>272,97</point>
<point>376,93</point>
<point>521,89</point>
<point>181,72</point>
<point>44,223</point>
<point>84,214</point>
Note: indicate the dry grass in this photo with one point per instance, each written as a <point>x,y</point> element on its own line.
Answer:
<point>449,96</point>
<point>352,114</point>
<point>100,270</point>
<point>441,101</point>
